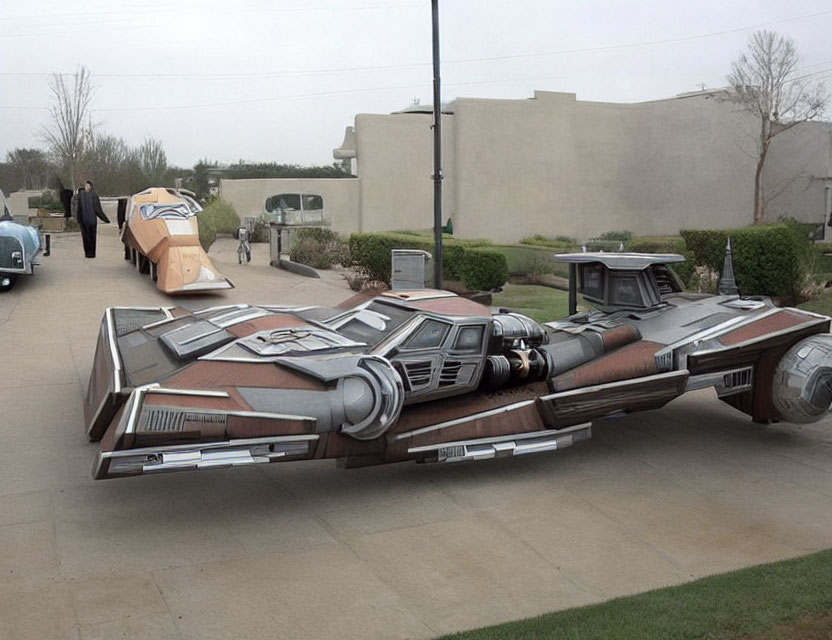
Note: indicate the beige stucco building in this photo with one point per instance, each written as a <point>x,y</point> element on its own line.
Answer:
<point>555,165</point>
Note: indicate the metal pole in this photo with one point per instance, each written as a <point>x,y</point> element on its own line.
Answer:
<point>437,154</point>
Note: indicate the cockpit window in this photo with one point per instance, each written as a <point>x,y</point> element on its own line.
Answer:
<point>625,291</point>
<point>373,323</point>
<point>592,280</point>
<point>429,335</point>
<point>469,340</point>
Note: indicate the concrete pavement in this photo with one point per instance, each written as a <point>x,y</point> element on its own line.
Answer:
<point>306,550</point>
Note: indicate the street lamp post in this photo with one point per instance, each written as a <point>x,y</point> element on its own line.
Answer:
<point>437,154</point>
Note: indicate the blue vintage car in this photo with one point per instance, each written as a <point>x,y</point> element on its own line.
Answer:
<point>19,246</point>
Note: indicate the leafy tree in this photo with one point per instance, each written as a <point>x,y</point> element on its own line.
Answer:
<point>154,161</point>
<point>199,179</point>
<point>32,168</point>
<point>106,161</point>
<point>71,129</point>
<point>765,82</point>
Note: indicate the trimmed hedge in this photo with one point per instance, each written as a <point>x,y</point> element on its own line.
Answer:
<point>483,269</point>
<point>478,267</point>
<point>666,244</point>
<point>767,259</point>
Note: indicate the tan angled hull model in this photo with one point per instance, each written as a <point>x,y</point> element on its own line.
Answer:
<point>161,238</point>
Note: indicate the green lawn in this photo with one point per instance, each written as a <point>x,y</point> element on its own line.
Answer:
<point>821,304</point>
<point>537,302</point>
<point>723,607</point>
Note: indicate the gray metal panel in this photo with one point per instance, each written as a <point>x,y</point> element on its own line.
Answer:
<point>616,261</point>
<point>408,269</point>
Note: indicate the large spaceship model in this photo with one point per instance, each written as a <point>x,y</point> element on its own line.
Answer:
<point>428,376</point>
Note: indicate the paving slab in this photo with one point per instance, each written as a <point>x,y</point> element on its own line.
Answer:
<point>307,550</point>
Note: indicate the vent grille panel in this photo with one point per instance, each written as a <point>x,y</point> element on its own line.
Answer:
<point>418,373</point>
<point>171,420</point>
<point>449,374</point>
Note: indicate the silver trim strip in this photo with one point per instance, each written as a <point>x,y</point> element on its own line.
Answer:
<point>476,416</point>
<point>237,307</point>
<point>612,385</point>
<point>183,450</point>
<point>198,286</point>
<point>168,318</point>
<point>217,308</point>
<point>506,438</point>
<point>189,392</point>
<point>806,312</point>
<point>715,378</point>
<point>111,338</point>
<point>252,315</point>
<point>133,410</point>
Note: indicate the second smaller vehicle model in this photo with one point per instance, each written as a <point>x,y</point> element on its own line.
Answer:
<point>161,237</point>
<point>19,246</point>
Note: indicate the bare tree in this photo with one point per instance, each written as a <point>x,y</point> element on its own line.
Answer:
<point>154,162</point>
<point>766,83</point>
<point>70,129</point>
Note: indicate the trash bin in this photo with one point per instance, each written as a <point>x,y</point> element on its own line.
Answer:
<point>408,269</point>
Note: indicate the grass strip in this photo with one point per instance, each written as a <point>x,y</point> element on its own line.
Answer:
<point>539,303</point>
<point>821,304</point>
<point>721,607</point>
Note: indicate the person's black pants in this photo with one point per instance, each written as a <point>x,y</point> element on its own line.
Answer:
<point>88,234</point>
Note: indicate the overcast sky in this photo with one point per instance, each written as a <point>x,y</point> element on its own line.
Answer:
<point>280,80</point>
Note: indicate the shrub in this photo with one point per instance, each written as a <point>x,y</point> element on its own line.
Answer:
<point>596,244</point>
<point>318,248</point>
<point>532,265</point>
<point>684,270</point>
<point>656,244</point>
<point>767,259</point>
<point>223,216</point>
<point>207,231</point>
<point>558,242</point>
<point>483,269</point>
<point>617,236</point>
<point>260,233</point>
<point>372,252</point>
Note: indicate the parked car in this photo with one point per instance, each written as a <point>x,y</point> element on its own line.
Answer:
<point>20,245</point>
<point>429,376</point>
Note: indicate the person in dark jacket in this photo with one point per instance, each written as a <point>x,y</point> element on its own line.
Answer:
<point>66,198</point>
<point>89,211</point>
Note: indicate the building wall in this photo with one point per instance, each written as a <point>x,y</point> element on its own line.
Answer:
<point>340,195</point>
<point>556,166</point>
<point>797,172</point>
<point>395,168</point>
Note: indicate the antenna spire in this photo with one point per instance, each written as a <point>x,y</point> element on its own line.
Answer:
<point>727,283</point>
